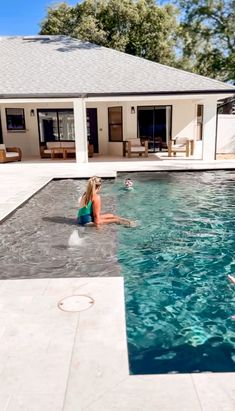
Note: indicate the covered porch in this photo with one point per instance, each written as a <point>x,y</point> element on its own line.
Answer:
<point>95,128</point>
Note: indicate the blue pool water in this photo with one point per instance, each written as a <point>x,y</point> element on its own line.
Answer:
<point>175,264</point>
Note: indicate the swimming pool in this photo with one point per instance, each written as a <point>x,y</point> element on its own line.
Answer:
<point>179,302</point>
<point>175,263</point>
<point>42,239</point>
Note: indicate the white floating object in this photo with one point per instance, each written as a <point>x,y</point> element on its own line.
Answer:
<point>75,240</point>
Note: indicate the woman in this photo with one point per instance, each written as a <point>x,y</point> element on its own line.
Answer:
<point>90,207</point>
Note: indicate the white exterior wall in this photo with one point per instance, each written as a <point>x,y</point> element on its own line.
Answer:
<point>28,140</point>
<point>226,133</point>
<point>183,122</point>
<point>80,127</point>
<point>209,129</point>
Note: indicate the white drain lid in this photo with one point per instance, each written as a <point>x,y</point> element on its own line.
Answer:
<point>76,303</point>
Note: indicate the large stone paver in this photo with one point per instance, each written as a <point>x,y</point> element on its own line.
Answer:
<point>166,393</point>
<point>35,348</point>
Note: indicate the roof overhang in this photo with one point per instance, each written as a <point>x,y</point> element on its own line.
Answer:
<point>117,94</point>
<point>122,96</point>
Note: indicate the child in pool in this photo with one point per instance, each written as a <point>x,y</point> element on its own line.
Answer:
<point>128,184</point>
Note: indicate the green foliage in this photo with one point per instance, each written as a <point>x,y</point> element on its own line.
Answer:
<point>60,20</point>
<point>207,37</point>
<point>197,36</point>
<point>136,27</point>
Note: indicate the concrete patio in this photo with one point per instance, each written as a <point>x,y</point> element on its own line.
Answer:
<point>53,360</point>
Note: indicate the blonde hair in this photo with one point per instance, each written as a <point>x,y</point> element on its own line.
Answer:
<point>92,185</point>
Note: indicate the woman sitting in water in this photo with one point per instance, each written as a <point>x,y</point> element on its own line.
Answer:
<point>90,207</point>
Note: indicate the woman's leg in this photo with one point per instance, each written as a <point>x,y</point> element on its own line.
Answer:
<point>111,218</point>
<point>107,216</point>
<point>231,278</point>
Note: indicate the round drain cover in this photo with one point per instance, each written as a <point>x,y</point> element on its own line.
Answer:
<point>76,303</point>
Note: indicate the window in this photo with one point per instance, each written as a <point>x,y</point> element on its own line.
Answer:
<point>115,124</point>
<point>199,121</point>
<point>56,125</point>
<point>15,119</point>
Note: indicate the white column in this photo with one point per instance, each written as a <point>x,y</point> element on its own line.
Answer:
<point>209,129</point>
<point>80,128</point>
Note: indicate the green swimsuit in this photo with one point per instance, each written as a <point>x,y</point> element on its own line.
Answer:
<point>85,214</point>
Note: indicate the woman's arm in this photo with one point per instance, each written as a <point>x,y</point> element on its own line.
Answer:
<point>96,207</point>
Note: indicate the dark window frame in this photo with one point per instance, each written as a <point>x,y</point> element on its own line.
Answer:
<point>52,110</point>
<point>23,119</point>
<point>115,124</point>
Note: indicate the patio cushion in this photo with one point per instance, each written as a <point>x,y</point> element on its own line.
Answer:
<point>137,149</point>
<point>179,146</point>
<point>11,154</point>
<point>135,141</point>
<point>2,147</point>
<point>69,144</point>
<point>52,144</point>
<point>47,151</point>
<point>181,140</point>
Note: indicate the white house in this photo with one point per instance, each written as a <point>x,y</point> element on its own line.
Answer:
<point>55,88</point>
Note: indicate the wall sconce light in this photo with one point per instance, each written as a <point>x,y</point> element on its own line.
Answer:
<point>132,110</point>
<point>32,113</point>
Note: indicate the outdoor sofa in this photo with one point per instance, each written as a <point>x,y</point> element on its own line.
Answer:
<point>53,148</point>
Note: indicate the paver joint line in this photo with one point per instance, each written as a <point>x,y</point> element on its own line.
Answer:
<point>70,362</point>
<point>196,391</point>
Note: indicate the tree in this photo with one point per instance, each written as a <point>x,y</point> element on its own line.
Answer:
<point>140,27</point>
<point>60,20</point>
<point>207,37</point>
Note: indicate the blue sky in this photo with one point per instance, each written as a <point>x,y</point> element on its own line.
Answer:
<point>22,17</point>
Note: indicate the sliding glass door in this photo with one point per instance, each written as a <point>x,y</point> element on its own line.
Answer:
<point>154,125</point>
<point>58,125</point>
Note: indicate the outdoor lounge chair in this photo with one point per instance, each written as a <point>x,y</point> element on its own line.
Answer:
<point>181,145</point>
<point>135,146</point>
<point>8,154</point>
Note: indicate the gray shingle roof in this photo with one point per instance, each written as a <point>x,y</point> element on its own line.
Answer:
<point>60,65</point>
